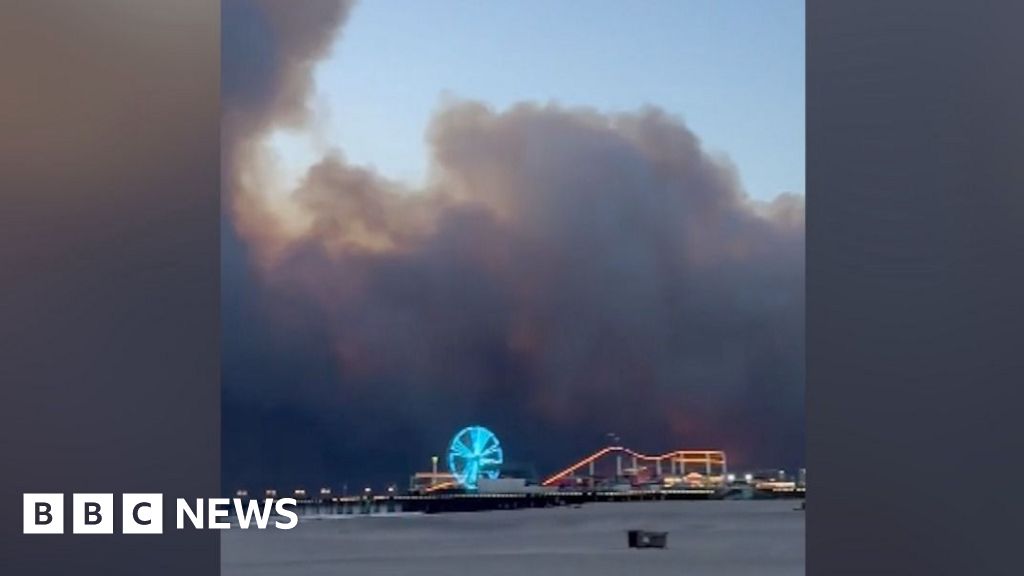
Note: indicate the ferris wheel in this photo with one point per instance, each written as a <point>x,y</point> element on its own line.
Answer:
<point>474,453</point>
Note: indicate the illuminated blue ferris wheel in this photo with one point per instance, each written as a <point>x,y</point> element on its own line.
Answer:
<point>474,453</point>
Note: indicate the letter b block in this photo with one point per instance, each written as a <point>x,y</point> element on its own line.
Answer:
<point>43,514</point>
<point>93,514</point>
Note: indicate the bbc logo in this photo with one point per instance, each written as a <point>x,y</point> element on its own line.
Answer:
<point>93,514</point>
<point>143,513</point>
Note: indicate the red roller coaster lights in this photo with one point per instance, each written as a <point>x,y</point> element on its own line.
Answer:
<point>696,456</point>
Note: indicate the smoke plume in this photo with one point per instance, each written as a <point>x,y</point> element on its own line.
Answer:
<point>564,273</point>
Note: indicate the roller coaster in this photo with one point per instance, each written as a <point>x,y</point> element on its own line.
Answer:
<point>705,466</point>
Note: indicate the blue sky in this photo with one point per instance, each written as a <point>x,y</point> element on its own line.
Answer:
<point>733,70</point>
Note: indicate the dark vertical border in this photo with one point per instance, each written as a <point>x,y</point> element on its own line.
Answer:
<point>915,263</point>
<point>109,312</point>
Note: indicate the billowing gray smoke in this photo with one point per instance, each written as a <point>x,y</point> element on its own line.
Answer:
<point>565,274</point>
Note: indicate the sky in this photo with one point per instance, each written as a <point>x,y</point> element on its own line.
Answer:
<point>734,71</point>
<point>557,222</point>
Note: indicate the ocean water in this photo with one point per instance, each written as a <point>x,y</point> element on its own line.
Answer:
<point>720,538</point>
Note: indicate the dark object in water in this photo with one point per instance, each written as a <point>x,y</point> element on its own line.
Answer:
<point>647,539</point>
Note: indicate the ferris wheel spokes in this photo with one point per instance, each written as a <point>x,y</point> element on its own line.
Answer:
<point>474,453</point>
